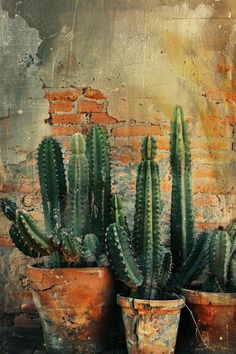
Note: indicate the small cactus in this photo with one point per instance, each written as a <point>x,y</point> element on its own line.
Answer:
<point>221,260</point>
<point>68,225</point>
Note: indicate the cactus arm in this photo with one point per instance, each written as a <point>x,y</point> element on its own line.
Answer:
<point>9,208</point>
<point>219,255</point>
<point>194,265</point>
<point>122,258</point>
<point>70,246</point>
<point>77,206</point>
<point>233,271</point>
<point>91,249</point>
<point>19,242</point>
<point>52,181</point>
<point>118,216</point>
<point>182,224</point>
<point>161,274</point>
<point>97,152</point>
<point>32,235</point>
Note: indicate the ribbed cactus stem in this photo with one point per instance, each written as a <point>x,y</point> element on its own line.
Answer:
<point>122,257</point>
<point>78,208</point>
<point>98,155</point>
<point>219,255</point>
<point>31,234</point>
<point>52,182</point>
<point>147,214</point>
<point>182,224</point>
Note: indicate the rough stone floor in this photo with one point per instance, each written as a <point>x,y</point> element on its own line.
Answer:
<point>30,341</point>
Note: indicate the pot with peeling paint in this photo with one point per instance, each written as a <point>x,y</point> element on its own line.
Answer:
<point>215,315</point>
<point>150,325</point>
<point>74,305</point>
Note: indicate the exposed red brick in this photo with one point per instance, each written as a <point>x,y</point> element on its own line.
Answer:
<point>204,172</point>
<point>230,119</point>
<point>209,186</point>
<point>165,186</point>
<point>212,143</point>
<point>220,95</point>
<point>123,158</point>
<point>224,68</point>
<point>51,107</point>
<point>70,94</point>
<point>71,118</point>
<point>89,107</point>
<point>5,241</point>
<point>63,131</point>
<point>137,131</point>
<point>208,225</point>
<point>22,188</point>
<point>203,200</point>
<point>62,107</point>
<point>103,117</point>
<point>93,94</point>
<point>212,129</point>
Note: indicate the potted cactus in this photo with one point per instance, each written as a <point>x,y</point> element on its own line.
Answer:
<point>214,304</point>
<point>73,289</point>
<point>141,260</point>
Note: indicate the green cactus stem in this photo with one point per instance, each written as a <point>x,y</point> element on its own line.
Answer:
<point>98,156</point>
<point>36,239</point>
<point>147,214</point>
<point>9,208</point>
<point>193,266</point>
<point>78,176</point>
<point>182,222</point>
<point>219,255</point>
<point>122,257</point>
<point>52,182</point>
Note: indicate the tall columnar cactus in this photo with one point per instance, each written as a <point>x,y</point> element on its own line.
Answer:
<point>67,220</point>
<point>222,259</point>
<point>182,222</point>
<point>97,152</point>
<point>142,261</point>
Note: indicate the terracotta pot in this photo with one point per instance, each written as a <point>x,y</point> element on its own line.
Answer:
<point>150,325</point>
<point>74,305</point>
<point>215,315</point>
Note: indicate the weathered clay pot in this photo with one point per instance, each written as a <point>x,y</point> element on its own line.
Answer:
<point>74,305</point>
<point>150,325</point>
<point>215,315</point>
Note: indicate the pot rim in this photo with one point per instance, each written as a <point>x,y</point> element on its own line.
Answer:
<point>209,298</point>
<point>174,304</point>
<point>69,269</point>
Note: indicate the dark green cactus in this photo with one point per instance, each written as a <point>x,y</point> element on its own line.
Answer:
<point>222,260</point>
<point>97,152</point>
<point>52,182</point>
<point>182,222</point>
<point>66,214</point>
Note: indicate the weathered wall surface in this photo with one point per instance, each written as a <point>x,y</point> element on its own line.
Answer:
<point>143,58</point>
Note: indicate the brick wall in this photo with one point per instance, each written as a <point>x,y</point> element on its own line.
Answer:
<point>75,110</point>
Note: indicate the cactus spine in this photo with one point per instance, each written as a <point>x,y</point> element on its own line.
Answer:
<point>182,224</point>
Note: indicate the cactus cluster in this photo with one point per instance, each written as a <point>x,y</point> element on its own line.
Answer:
<point>221,266</point>
<point>76,216</point>
<point>140,258</point>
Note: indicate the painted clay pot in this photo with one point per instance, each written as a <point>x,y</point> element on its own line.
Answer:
<point>215,315</point>
<point>151,326</point>
<point>74,305</point>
